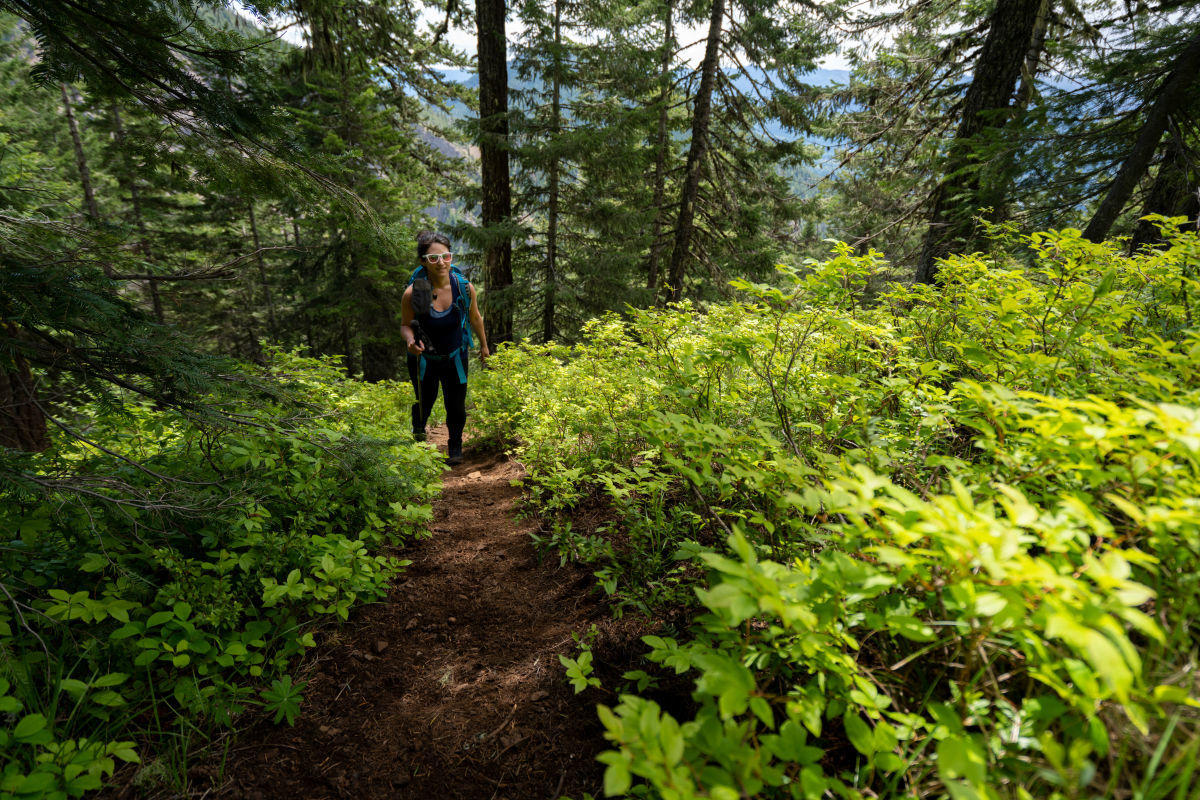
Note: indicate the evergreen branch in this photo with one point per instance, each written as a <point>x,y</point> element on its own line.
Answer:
<point>220,272</point>
<point>168,40</point>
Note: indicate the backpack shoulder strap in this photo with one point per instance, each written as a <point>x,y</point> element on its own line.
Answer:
<point>463,300</point>
<point>416,273</point>
<point>462,291</point>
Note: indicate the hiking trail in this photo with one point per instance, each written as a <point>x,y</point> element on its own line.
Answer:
<point>451,687</point>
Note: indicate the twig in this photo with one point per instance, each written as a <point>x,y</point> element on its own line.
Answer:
<point>502,724</point>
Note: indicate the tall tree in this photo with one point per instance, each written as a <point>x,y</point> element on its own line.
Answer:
<point>1169,98</point>
<point>751,108</point>
<point>1010,34</point>
<point>490,18</point>
<point>697,150</point>
<point>662,146</point>
<point>1091,73</point>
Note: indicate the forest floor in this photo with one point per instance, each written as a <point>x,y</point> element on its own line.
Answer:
<point>452,687</point>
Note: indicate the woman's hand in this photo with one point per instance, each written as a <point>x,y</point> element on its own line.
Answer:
<point>416,346</point>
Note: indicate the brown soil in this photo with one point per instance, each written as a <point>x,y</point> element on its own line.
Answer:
<point>452,688</point>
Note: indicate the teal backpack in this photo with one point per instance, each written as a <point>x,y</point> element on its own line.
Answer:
<point>459,286</point>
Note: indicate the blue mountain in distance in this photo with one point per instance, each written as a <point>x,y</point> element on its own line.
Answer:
<point>820,77</point>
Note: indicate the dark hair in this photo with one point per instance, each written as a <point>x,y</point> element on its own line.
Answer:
<point>426,239</point>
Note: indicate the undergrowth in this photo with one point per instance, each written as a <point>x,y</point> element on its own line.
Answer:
<point>163,571</point>
<point>946,543</point>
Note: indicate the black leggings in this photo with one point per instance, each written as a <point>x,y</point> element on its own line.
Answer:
<point>445,374</point>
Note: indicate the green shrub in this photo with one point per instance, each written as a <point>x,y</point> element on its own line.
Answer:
<point>163,571</point>
<point>948,544</point>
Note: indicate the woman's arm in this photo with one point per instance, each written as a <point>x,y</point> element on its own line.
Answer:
<point>476,320</point>
<point>406,317</point>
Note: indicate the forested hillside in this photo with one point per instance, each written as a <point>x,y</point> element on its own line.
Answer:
<point>872,395</point>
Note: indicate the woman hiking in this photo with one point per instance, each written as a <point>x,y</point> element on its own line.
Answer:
<point>438,306</point>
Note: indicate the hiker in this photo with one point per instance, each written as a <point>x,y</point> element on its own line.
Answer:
<point>437,314</point>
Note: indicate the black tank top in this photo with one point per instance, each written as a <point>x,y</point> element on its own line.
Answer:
<point>445,327</point>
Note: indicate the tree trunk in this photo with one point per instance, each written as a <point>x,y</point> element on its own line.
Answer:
<point>1173,194</point>
<point>696,151</point>
<point>1170,97</point>
<point>262,274</point>
<point>661,144</point>
<point>129,181</point>
<point>997,196</point>
<point>493,158</point>
<point>22,424</point>
<point>1010,35</point>
<point>81,162</point>
<point>551,278</point>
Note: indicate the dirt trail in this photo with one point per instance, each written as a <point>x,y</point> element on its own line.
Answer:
<point>451,688</point>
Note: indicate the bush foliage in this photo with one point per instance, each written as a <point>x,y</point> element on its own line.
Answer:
<point>164,571</point>
<point>933,541</point>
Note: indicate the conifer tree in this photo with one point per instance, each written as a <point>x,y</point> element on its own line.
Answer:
<point>1170,97</point>
<point>490,17</point>
<point>1010,34</point>
<point>747,123</point>
<point>1043,157</point>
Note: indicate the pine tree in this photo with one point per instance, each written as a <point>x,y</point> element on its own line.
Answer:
<point>986,105</point>
<point>496,219</point>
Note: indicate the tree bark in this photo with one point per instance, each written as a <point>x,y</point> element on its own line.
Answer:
<point>1170,96</point>
<point>551,277</point>
<point>1173,194</point>
<point>1010,35</point>
<point>81,162</point>
<point>272,326</point>
<point>697,150</point>
<point>661,144</point>
<point>129,181</point>
<point>493,158</point>
<point>22,424</point>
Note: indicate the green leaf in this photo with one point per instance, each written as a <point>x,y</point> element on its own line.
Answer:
<point>83,783</point>
<point>93,562</point>
<point>859,733</point>
<point>108,698</point>
<point>617,779</point>
<point>889,762</point>
<point>989,604</point>
<point>726,679</point>
<point>159,617</point>
<point>111,679</point>
<point>961,757</point>
<point>126,753</point>
<point>762,710</point>
<point>36,784</point>
<point>127,630</point>
<point>29,727</point>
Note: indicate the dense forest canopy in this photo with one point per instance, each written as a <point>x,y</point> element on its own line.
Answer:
<point>194,138</point>
<point>206,229</point>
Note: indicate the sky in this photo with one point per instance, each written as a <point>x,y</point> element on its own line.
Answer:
<point>465,40</point>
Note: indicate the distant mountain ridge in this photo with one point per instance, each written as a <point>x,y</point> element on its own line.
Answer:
<point>470,78</point>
